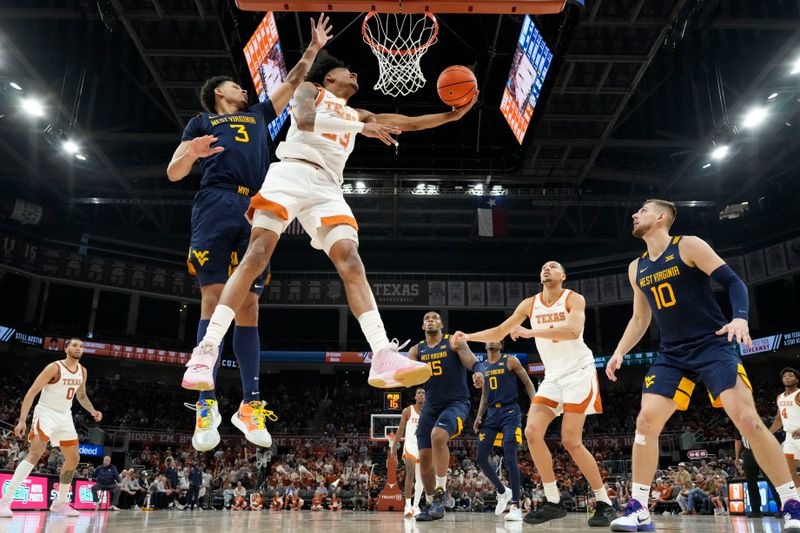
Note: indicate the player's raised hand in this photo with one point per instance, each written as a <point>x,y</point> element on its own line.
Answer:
<point>613,365</point>
<point>382,132</point>
<point>201,146</point>
<point>737,329</point>
<point>458,337</point>
<point>478,380</point>
<point>321,31</point>
<point>459,112</point>
<point>522,332</point>
<point>97,415</point>
<point>19,429</point>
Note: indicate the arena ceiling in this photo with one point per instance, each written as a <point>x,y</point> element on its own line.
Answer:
<point>640,92</point>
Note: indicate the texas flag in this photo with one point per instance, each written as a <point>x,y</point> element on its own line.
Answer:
<point>491,217</point>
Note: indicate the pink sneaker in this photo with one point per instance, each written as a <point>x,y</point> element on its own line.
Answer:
<point>63,508</point>
<point>390,369</point>
<point>200,374</point>
<point>5,510</point>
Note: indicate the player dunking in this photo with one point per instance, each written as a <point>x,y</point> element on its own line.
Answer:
<point>570,386</point>
<point>671,282</point>
<point>230,140</point>
<point>409,421</point>
<point>59,383</point>
<point>446,406</point>
<point>788,418</point>
<point>503,424</point>
<point>306,185</point>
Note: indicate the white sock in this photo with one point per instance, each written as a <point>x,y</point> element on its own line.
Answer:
<point>441,482</point>
<point>372,326</point>
<point>219,324</point>
<point>640,493</point>
<point>787,492</point>
<point>408,502</point>
<point>601,495</point>
<point>418,486</point>
<point>551,492</point>
<point>23,470</point>
<point>63,492</point>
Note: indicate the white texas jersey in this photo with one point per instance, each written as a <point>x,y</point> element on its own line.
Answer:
<point>789,411</point>
<point>59,394</point>
<point>559,357</point>
<point>412,424</point>
<point>327,150</point>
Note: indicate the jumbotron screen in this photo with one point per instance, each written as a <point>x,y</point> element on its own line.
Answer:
<point>532,59</point>
<point>267,66</point>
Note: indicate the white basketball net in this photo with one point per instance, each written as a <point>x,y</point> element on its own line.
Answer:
<point>399,41</point>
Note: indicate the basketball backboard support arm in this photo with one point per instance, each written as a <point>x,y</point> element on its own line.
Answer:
<point>478,7</point>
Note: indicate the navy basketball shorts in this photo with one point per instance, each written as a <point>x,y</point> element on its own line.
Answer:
<point>449,416</point>
<point>502,425</point>
<point>220,235</point>
<point>677,370</point>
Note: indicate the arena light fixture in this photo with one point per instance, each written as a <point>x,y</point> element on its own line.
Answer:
<point>754,117</point>
<point>707,165</point>
<point>15,85</point>
<point>773,96</point>
<point>80,156</point>
<point>70,147</point>
<point>360,186</point>
<point>476,189</point>
<point>796,67</point>
<point>719,152</point>
<point>33,107</point>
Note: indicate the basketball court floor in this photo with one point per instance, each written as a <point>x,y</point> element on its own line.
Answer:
<point>346,522</point>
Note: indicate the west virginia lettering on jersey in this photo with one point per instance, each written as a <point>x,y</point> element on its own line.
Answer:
<point>496,372</point>
<point>659,276</point>
<point>432,356</point>
<point>551,317</point>
<point>232,118</point>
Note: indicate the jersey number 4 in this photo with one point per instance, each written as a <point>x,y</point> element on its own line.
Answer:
<point>241,133</point>
<point>663,295</point>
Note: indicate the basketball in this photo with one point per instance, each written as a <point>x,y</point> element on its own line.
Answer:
<point>457,85</point>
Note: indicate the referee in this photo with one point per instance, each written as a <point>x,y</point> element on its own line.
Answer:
<point>751,472</point>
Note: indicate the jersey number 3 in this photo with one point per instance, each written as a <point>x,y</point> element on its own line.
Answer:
<point>241,132</point>
<point>663,295</point>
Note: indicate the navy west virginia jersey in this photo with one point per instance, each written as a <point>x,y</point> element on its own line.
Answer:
<point>244,136</point>
<point>680,297</point>
<point>501,383</point>
<point>448,381</point>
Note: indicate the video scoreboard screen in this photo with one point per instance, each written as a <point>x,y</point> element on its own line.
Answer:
<point>529,68</point>
<point>267,67</point>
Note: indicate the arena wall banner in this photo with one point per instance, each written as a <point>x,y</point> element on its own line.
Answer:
<point>32,494</point>
<point>83,492</point>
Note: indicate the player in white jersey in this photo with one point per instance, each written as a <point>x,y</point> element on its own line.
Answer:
<point>59,383</point>
<point>788,418</point>
<point>570,386</point>
<point>306,184</point>
<point>409,422</point>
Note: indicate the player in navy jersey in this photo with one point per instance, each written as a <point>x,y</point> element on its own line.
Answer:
<point>671,282</point>
<point>446,406</point>
<point>503,424</point>
<point>231,142</point>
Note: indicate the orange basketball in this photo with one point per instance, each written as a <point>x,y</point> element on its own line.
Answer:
<point>457,85</point>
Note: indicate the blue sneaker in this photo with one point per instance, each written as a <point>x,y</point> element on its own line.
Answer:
<point>424,517</point>
<point>791,515</point>
<point>436,508</point>
<point>635,518</point>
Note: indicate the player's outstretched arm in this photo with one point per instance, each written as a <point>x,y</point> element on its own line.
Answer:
<point>637,325</point>
<point>83,399</point>
<point>496,333</point>
<point>469,360</point>
<point>48,374</point>
<point>569,330</point>
<point>422,122</point>
<point>320,35</point>
<point>401,429</point>
<point>522,375</point>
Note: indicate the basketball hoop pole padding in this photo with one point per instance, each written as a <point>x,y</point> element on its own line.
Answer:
<point>391,497</point>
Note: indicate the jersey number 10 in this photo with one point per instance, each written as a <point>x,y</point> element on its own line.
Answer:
<point>663,295</point>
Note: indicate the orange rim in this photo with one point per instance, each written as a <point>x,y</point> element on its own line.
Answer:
<point>382,49</point>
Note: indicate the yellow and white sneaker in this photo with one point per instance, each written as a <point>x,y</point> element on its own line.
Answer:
<point>208,419</point>
<point>250,420</point>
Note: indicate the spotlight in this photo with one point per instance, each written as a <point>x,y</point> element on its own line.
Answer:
<point>754,117</point>
<point>360,185</point>
<point>80,156</point>
<point>773,96</point>
<point>70,147</point>
<point>707,165</point>
<point>33,107</point>
<point>420,186</point>
<point>796,67</point>
<point>719,152</point>
<point>15,85</point>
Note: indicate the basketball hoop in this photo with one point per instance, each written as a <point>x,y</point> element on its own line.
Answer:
<point>399,41</point>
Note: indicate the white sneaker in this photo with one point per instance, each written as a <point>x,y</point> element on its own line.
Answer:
<point>416,510</point>
<point>389,369</point>
<point>206,436</point>
<point>200,372</point>
<point>250,420</point>
<point>514,514</point>
<point>408,512</point>
<point>502,501</point>
<point>5,510</point>
<point>113,508</point>
<point>63,508</point>
<point>636,518</point>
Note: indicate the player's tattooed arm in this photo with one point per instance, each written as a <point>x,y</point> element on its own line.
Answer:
<point>422,122</point>
<point>83,399</point>
<point>304,108</point>
<point>481,410</point>
<point>47,375</point>
<point>469,360</point>
<point>522,375</point>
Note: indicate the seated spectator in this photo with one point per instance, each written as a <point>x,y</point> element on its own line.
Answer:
<point>316,501</point>
<point>228,496</point>
<point>256,501</point>
<point>239,491</point>
<point>107,478</point>
<point>360,498</point>
<point>718,497</point>
<point>537,497</point>
<point>525,503</point>
<point>478,505</point>
<point>296,503</point>
<point>158,493</point>
<point>239,504</point>
<point>336,501</point>
<point>277,502</point>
